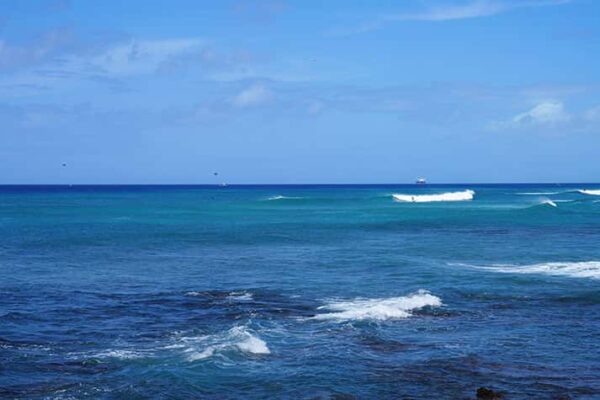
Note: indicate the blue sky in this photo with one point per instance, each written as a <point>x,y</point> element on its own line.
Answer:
<point>279,91</point>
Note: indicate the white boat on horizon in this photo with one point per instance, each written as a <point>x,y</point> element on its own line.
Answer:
<point>421,181</point>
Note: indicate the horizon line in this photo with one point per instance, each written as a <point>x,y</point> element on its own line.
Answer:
<point>298,184</point>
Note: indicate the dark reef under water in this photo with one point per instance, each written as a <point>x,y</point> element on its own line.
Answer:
<point>299,292</point>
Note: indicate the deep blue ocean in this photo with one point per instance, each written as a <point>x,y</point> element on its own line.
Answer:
<point>300,292</point>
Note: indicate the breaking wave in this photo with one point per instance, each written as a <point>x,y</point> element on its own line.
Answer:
<point>426,198</point>
<point>548,202</point>
<point>581,269</point>
<point>238,339</point>
<point>378,309</point>
<point>590,192</point>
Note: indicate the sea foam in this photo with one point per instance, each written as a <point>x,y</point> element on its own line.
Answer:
<point>548,202</point>
<point>237,339</point>
<point>590,192</point>
<point>378,309</point>
<point>426,198</point>
<point>581,269</point>
<point>273,198</point>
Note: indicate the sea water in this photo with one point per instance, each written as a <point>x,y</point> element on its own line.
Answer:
<point>300,292</point>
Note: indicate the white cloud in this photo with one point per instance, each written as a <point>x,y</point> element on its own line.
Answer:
<point>252,96</point>
<point>545,113</point>
<point>140,57</point>
<point>448,11</point>
<point>472,9</point>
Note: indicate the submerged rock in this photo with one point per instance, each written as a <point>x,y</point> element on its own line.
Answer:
<point>484,393</point>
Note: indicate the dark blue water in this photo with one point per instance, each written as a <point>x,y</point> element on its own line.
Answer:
<point>307,292</point>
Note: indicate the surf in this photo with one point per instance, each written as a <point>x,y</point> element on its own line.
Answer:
<point>427,198</point>
<point>238,339</point>
<point>378,309</point>
<point>590,192</point>
<point>577,269</point>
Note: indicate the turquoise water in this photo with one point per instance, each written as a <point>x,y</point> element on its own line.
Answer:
<point>299,292</point>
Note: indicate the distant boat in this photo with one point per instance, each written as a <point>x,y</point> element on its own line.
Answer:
<point>223,184</point>
<point>421,181</point>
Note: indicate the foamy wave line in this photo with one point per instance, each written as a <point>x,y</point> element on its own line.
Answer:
<point>548,202</point>
<point>426,198</point>
<point>581,269</point>
<point>121,354</point>
<point>378,309</point>
<point>239,339</point>
<point>273,198</point>
<point>590,192</point>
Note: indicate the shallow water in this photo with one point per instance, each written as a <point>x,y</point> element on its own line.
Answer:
<point>299,292</point>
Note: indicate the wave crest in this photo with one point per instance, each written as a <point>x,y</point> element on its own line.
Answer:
<point>581,269</point>
<point>590,192</point>
<point>238,338</point>
<point>273,198</point>
<point>548,202</point>
<point>426,198</point>
<point>379,309</point>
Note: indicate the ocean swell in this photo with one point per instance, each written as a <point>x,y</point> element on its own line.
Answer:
<point>426,198</point>
<point>378,309</point>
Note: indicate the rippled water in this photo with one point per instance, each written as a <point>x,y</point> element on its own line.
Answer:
<point>300,292</point>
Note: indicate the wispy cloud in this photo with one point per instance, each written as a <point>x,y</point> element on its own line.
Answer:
<point>39,50</point>
<point>471,9</point>
<point>252,96</point>
<point>448,11</point>
<point>141,57</point>
<point>551,115</point>
<point>546,113</point>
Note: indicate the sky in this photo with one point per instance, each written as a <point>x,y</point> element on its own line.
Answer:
<point>279,91</point>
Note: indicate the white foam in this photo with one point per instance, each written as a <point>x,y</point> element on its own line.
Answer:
<point>590,192</point>
<point>379,309</point>
<point>121,354</point>
<point>549,203</point>
<point>581,269</point>
<point>426,198</point>
<point>240,296</point>
<point>283,198</point>
<point>238,338</point>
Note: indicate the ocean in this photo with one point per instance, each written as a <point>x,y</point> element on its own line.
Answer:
<point>300,292</point>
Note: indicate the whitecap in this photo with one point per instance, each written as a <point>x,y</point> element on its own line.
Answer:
<point>238,339</point>
<point>272,198</point>
<point>426,198</point>
<point>590,192</point>
<point>549,202</point>
<point>579,269</point>
<point>240,296</point>
<point>378,309</point>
